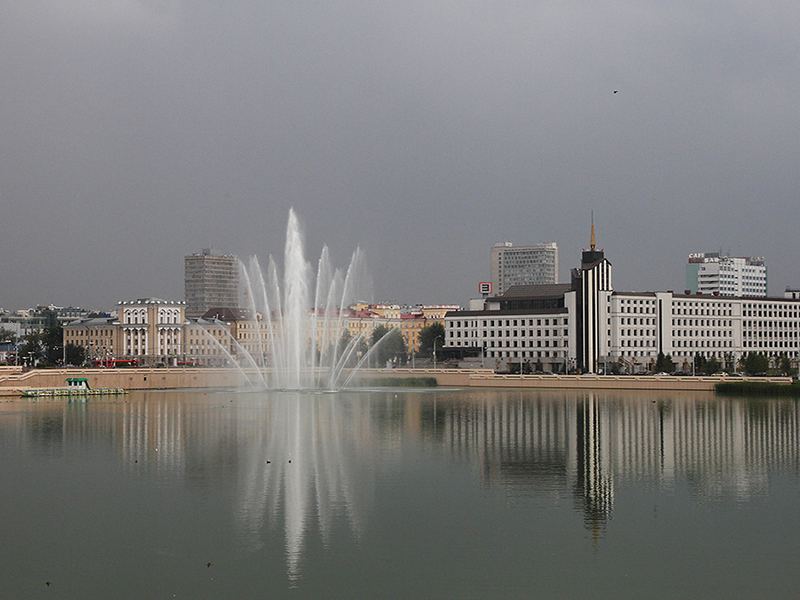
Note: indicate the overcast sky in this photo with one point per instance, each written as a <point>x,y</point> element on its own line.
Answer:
<point>133,132</point>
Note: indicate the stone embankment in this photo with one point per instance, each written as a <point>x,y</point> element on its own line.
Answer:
<point>14,382</point>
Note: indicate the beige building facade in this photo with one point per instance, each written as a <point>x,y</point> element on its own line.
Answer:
<point>151,330</point>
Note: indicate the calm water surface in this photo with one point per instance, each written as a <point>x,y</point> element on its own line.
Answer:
<point>393,494</point>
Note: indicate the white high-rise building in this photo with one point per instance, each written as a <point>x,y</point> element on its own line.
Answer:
<point>710,273</point>
<point>523,265</point>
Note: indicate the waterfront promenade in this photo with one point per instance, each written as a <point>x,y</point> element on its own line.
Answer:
<point>14,382</point>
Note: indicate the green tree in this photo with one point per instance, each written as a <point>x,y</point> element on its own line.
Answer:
<point>32,351</point>
<point>7,336</point>
<point>75,355</point>
<point>712,366</point>
<point>664,363</point>
<point>785,366</point>
<point>755,362</point>
<point>343,346</point>
<point>389,345</point>
<point>433,333</point>
<point>699,363</point>
<point>728,363</point>
<point>54,344</point>
<point>43,348</point>
<point>344,341</point>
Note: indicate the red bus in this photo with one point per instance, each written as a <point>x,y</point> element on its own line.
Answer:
<point>126,362</point>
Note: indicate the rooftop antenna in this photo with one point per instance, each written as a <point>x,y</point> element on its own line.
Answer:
<point>592,245</point>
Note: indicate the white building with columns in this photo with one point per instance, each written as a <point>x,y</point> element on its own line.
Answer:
<point>151,329</point>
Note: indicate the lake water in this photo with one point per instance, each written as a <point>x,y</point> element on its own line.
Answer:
<point>400,494</point>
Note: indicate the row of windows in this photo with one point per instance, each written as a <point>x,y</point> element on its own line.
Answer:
<point>702,333</point>
<point>510,322</point>
<point>701,323</point>
<point>769,344</point>
<point>635,321</point>
<point>89,332</point>
<point>528,344</point>
<point>703,311</point>
<point>639,343</point>
<point>456,336</point>
<point>766,334</point>
<point>525,354</point>
<point>636,332</point>
<point>205,342</point>
<point>694,343</point>
<point>140,317</point>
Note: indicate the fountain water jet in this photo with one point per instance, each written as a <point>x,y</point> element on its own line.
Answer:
<point>298,318</point>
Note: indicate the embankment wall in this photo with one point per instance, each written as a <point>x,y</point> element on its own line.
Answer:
<point>13,382</point>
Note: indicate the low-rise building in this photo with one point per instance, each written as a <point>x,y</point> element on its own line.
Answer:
<point>526,325</point>
<point>99,338</point>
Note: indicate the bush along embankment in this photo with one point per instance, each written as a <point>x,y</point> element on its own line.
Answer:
<point>758,388</point>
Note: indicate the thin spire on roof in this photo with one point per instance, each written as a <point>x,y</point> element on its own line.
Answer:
<point>592,245</point>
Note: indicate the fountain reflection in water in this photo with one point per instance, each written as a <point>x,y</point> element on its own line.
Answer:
<point>300,340</point>
<point>303,469</point>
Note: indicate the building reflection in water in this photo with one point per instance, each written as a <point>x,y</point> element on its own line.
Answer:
<point>302,463</point>
<point>586,444</point>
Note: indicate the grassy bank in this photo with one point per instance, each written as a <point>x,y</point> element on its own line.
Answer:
<point>757,388</point>
<point>416,382</point>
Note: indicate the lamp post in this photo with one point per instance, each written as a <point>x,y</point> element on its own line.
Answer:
<point>434,350</point>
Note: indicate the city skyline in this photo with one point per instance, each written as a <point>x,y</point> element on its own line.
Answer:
<point>413,302</point>
<point>138,131</point>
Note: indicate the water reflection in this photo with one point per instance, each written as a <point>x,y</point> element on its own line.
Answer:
<point>303,460</point>
<point>587,444</point>
<point>303,464</point>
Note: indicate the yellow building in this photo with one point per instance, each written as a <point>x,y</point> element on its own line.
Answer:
<point>207,342</point>
<point>99,338</point>
<point>248,336</point>
<point>364,318</point>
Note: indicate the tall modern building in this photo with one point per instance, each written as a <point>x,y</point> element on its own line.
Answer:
<point>592,284</point>
<point>210,280</point>
<point>523,265</point>
<point>711,273</point>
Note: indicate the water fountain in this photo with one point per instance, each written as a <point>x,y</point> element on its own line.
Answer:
<point>300,335</point>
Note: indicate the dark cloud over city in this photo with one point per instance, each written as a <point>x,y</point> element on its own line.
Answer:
<point>137,131</point>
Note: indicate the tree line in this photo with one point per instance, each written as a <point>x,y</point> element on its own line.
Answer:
<point>751,363</point>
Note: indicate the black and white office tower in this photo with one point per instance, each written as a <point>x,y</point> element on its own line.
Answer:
<point>592,285</point>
